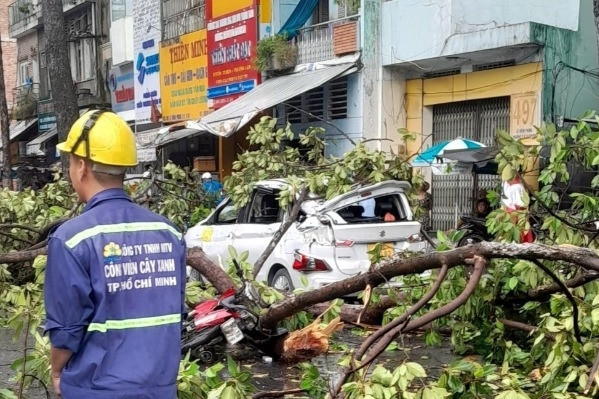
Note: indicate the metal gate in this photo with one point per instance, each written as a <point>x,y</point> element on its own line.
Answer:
<point>455,195</point>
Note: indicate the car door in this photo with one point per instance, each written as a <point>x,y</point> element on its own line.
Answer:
<point>215,234</point>
<point>258,224</point>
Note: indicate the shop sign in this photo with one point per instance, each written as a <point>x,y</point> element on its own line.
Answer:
<point>122,92</point>
<point>183,77</point>
<point>146,39</point>
<point>232,40</point>
<point>46,119</point>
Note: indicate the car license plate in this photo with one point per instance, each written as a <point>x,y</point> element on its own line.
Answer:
<point>232,332</point>
<point>387,249</point>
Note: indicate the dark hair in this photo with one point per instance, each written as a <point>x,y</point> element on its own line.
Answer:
<point>484,201</point>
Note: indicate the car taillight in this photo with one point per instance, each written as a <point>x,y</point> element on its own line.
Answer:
<point>305,263</point>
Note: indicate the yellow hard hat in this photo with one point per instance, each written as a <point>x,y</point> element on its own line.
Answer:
<point>103,137</point>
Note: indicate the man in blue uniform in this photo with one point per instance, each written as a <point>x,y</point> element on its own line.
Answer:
<point>212,187</point>
<point>115,278</point>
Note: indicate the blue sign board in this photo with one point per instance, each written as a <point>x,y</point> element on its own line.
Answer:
<point>233,88</point>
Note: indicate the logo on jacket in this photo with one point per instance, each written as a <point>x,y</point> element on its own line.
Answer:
<point>112,252</point>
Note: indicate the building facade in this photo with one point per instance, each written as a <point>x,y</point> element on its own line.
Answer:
<point>466,68</point>
<point>87,25</point>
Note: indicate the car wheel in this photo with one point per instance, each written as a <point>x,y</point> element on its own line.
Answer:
<point>282,281</point>
<point>471,239</point>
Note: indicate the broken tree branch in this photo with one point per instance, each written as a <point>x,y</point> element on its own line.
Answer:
<point>479,266</point>
<point>281,231</point>
<point>22,256</point>
<point>5,226</point>
<point>15,238</point>
<point>544,291</point>
<point>403,318</point>
<point>567,293</point>
<point>523,326</point>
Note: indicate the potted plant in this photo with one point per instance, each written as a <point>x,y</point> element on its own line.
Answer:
<point>26,107</point>
<point>275,53</point>
<point>25,8</point>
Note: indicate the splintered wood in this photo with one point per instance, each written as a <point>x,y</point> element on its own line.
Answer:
<point>310,341</point>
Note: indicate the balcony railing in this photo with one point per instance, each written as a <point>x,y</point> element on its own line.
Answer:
<point>180,17</point>
<point>328,40</point>
<point>23,15</point>
<point>26,14</point>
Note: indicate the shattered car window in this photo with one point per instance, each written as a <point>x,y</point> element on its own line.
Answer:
<point>386,208</point>
<point>227,215</point>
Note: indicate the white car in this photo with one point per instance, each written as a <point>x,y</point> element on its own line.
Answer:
<point>329,242</point>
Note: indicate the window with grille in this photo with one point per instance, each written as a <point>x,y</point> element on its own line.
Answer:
<point>321,13</point>
<point>328,102</point>
<point>347,8</point>
<point>182,16</point>
<point>445,72</point>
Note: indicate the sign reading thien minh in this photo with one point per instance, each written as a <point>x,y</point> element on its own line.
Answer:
<point>183,77</point>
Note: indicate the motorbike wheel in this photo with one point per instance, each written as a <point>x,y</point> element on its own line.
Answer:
<point>193,339</point>
<point>205,356</point>
<point>472,238</point>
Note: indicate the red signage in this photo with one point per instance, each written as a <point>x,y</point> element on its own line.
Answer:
<point>232,40</point>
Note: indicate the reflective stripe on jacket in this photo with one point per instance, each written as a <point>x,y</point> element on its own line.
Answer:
<point>114,296</point>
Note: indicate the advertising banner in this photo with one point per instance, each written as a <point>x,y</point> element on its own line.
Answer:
<point>146,64</point>
<point>183,77</point>
<point>122,92</point>
<point>232,40</point>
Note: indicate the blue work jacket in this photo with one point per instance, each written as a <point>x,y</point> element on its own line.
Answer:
<point>114,295</point>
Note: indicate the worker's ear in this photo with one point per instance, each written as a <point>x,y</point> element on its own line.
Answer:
<point>79,169</point>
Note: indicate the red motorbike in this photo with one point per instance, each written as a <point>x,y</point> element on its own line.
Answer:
<point>227,325</point>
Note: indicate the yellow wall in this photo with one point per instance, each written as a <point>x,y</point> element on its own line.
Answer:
<point>223,7</point>
<point>518,82</point>
<point>265,11</point>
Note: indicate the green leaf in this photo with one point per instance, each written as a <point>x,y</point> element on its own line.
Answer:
<point>416,370</point>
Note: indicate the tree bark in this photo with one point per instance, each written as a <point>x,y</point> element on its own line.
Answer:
<point>197,259</point>
<point>5,128</point>
<point>372,315</point>
<point>59,68</point>
<point>23,256</point>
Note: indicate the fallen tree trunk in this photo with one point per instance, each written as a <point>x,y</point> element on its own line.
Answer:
<point>400,266</point>
<point>197,259</point>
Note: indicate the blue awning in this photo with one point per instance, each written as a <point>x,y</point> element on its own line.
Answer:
<point>298,17</point>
